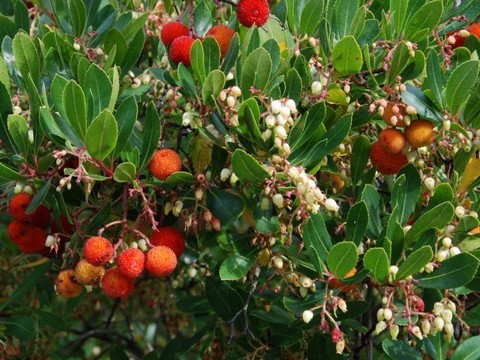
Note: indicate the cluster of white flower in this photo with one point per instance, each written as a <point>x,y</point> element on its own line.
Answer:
<point>279,121</point>
<point>446,250</point>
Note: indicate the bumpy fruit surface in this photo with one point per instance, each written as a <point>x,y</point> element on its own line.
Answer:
<point>173,30</point>
<point>335,284</point>
<point>98,251</point>
<point>161,261</point>
<point>36,244</point>
<point>392,140</point>
<point>88,274</point>
<point>164,163</point>
<point>388,113</point>
<point>420,133</point>
<point>116,285</point>
<point>66,286</point>
<point>180,50</point>
<point>223,34</point>
<point>18,205</point>
<point>387,164</point>
<point>170,237</point>
<point>131,263</point>
<point>252,12</point>
<point>20,232</point>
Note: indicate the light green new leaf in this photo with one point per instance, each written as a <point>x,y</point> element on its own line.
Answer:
<point>102,135</point>
<point>342,258</point>
<point>468,349</point>
<point>125,172</point>
<point>347,56</point>
<point>236,267</point>
<point>18,129</point>
<point>256,71</point>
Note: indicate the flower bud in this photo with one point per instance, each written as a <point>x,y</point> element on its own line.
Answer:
<point>417,332</point>
<point>393,270</point>
<point>307,316</point>
<point>28,190</point>
<point>278,262</point>
<point>236,91</point>
<point>50,241</point>
<point>277,199</point>
<point>340,346</point>
<point>452,307</point>
<point>454,251</point>
<point>394,331</point>
<point>280,132</point>
<point>446,125</point>
<point>411,110</point>
<point>192,272</point>
<point>449,330</point>
<point>380,314</point>
<point>231,101</point>
<point>305,281</point>
<point>216,225</point>
<point>342,305</point>
<point>460,211</point>
<point>142,244</point>
<point>438,324</point>
<point>225,174</point>
<point>429,183</point>
<point>447,316</point>
<point>30,136</point>
<point>199,194</point>
<point>447,242</point>
<point>381,325</point>
<point>331,205</point>
<point>451,40</point>
<point>441,255</point>
<point>317,87</point>
<point>387,314</point>
<point>426,326</point>
<point>275,106</point>
<point>291,105</point>
<point>438,308</point>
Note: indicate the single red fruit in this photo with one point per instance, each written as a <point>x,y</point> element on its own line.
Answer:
<point>170,237</point>
<point>387,164</point>
<point>18,205</point>
<point>161,261</point>
<point>171,31</point>
<point>223,35</point>
<point>164,163</point>
<point>20,232</point>
<point>36,244</point>
<point>180,50</point>
<point>98,251</point>
<point>131,263</point>
<point>252,12</point>
<point>116,285</point>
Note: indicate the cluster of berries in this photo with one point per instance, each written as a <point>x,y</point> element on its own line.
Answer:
<point>390,152</point>
<point>119,281</point>
<point>178,38</point>
<point>29,231</point>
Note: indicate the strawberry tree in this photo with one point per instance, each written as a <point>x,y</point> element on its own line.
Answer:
<point>293,179</point>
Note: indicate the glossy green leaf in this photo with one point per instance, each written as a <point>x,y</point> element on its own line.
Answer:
<point>398,349</point>
<point>468,349</point>
<point>212,86</point>
<point>357,222</point>
<point>311,17</point>
<point>371,197</point>
<point>376,260</point>
<point>236,267</point>
<point>435,77</point>
<point>342,258</point>
<point>256,71</point>
<point>126,116</point>
<point>247,169</point>
<point>102,135</point>
<point>211,53</point>
<point>347,56</point>
<point>18,129</point>
<point>461,82</point>
<point>125,172</point>
<point>74,105</point>
<point>360,156</point>
<point>405,192</point>
<point>151,135</point>
<point>198,60</point>
<point>78,16</point>
<point>317,241</point>
<point>98,90</point>
<point>414,262</point>
<point>424,20</point>
<point>7,174</point>
<point>26,57</point>
<point>224,205</point>
<point>400,59</point>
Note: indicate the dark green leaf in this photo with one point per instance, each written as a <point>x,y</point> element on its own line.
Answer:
<point>342,258</point>
<point>360,156</point>
<point>151,135</point>
<point>347,56</point>
<point>357,222</point>
<point>247,169</point>
<point>236,267</point>
<point>26,57</point>
<point>461,82</point>
<point>398,349</point>
<point>75,108</point>
<point>226,206</point>
<point>415,262</point>
<point>102,135</point>
<point>376,260</point>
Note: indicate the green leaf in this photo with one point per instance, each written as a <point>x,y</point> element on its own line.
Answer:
<point>443,193</point>
<point>7,174</point>
<point>78,16</point>
<point>454,272</point>
<point>198,60</point>
<point>426,109</point>
<point>342,18</point>
<point>360,156</point>
<point>151,135</point>
<point>187,81</point>
<point>236,267</point>
<point>398,11</point>
<point>435,76</point>
<point>211,53</point>
<point>357,222</point>
<point>212,86</point>
<point>311,17</point>
<point>405,191</point>
<point>436,218</point>
<point>247,169</point>
<point>293,85</point>
<point>39,198</point>
<point>18,129</point>
<point>4,77</point>
<point>347,56</point>
<point>102,135</point>
<point>125,172</point>
<point>372,199</point>
<point>180,178</point>
<point>468,349</point>
<point>73,100</point>
<point>460,83</point>
<point>98,90</point>
<point>298,306</point>
<point>376,260</point>
<point>134,51</point>
<point>317,241</point>
<point>126,116</point>
<point>400,59</point>
<point>26,57</point>
<point>424,21</point>
<point>224,205</point>
<point>414,262</point>
<point>398,349</point>
<point>342,258</point>
<point>256,71</point>
<point>21,327</point>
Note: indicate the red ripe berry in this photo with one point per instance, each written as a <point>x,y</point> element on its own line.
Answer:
<point>20,232</point>
<point>387,164</point>
<point>164,163</point>
<point>36,244</point>
<point>173,30</point>
<point>253,12</point>
<point>131,263</point>
<point>18,205</point>
<point>41,216</point>
<point>336,334</point>
<point>161,261</point>
<point>115,285</point>
<point>170,237</point>
<point>98,251</point>
<point>180,50</point>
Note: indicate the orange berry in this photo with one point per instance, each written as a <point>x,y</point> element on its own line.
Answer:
<point>164,163</point>
<point>180,50</point>
<point>388,113</point>
<point>173,30</point>
<point>131,263</point>
<point>116,285</point>
<point>66,286</point>
<point>161,261</point>
<point>253,12</point>
<point>386,163</point>
<point>98,251</point>
<point>170,237</point>
<point>18,205</point>
<point>392,140</point>
<point>420,133</point>
<point>88,274</point>
<point>335,284</point>
<point>223,34</point>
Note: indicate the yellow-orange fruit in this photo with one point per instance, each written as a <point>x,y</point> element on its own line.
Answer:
<point>388,113</point>
<point>420,133</point>
<point>161,261</point>
<point>335,284</point>
<point>116,285</point>
<point>98,251</point>
<point>170,237</point>
<point>131,263</point>
<point>386,163</point>
<point>392,140</point>
<point>88,274</point>
<point>66,286</point>
<point>164,163</point>
<point>223,34</point>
